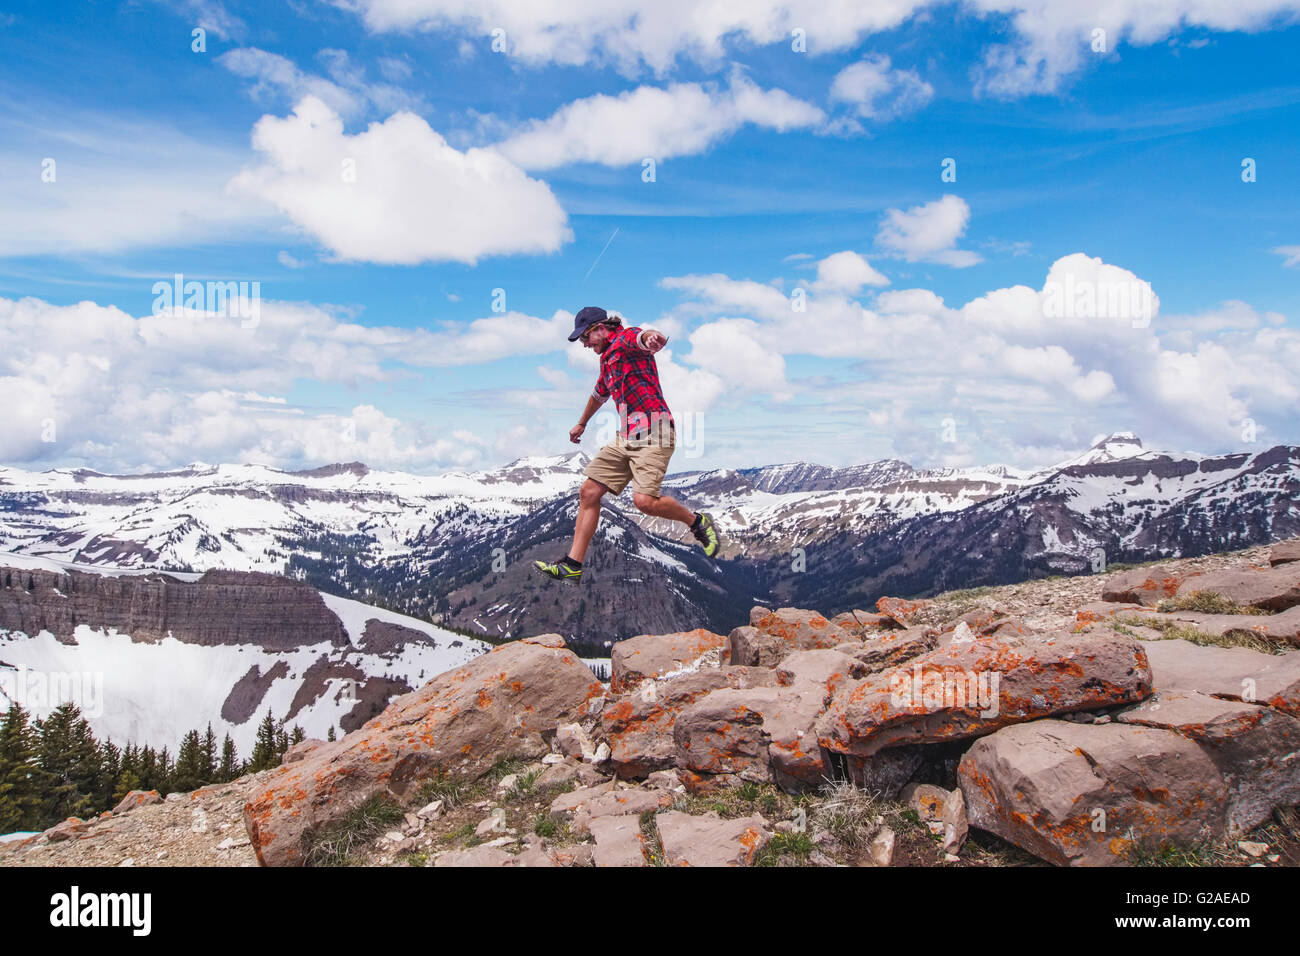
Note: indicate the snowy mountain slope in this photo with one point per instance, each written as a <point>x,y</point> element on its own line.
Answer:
<point>152,691</point>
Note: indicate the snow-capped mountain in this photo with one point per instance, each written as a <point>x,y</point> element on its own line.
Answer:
<point>459,547</point>
<point>147,656</point>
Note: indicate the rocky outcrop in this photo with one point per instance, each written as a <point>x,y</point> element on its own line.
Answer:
<point>973,688</point>
<point>503,704</point>
<point>222,607</point>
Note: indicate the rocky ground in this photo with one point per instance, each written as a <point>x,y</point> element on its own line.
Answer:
<point>1123,736</point>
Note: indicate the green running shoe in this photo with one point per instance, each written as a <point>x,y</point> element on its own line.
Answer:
<point>560,570</point>
<point>707,535</point>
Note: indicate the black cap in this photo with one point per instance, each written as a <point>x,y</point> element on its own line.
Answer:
<point>585,319</point>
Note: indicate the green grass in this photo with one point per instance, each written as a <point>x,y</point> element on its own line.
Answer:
<point>1202,853</point>
<point>336,844</point>
<point>1173,631</point>
<point>654,847</point>
<point>1208,602</point>
<point>544,826</point>
<point>798,846</point>
<point>524,785</point>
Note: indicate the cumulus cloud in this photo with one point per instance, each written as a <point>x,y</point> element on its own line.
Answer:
<point>1042,375</point>
<point>680,120</point>
<point>929,232</point>
<point>875,91</point>
<point>93,383</point>
<point>846,273</point>
<point>398,193</point>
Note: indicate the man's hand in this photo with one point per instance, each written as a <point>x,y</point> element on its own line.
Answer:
<point>653,340</point>
<point>575,433</point>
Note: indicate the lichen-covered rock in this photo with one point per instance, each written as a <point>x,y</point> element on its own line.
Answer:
<point>1147,586</point>
<point>496,706</point>
<point>970,689</point>
<point>887,649</point>
<point>773,636</point>
<point>1281,628</point>
<point>901,610</point>
<point>300,750</point>
<point>137,798</point>
<point>655,655</point>
<point>639,725</point>
<point>709,840</point>
<point>1255,748</point>
<point>1084,794</point>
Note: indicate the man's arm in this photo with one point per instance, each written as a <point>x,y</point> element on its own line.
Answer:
<point>594,402</point>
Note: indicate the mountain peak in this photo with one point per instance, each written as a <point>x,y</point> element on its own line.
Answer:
<point>1100,442</point>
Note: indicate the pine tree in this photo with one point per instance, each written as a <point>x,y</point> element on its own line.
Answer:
<point>110,761</point>
<point>281,742</point>
<point>264,754</point>
<point>229,768</point>
<point>208,753</point>
<point>70,772</point>
<point>165,770</point>
<point>20,773</point>
<point>331,736</point>
<point>188,774</point>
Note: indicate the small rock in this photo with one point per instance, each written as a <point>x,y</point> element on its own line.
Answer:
<point>553,759</point>
<point>951,858</point>
<point>496,823</point>
<point>881,847</point>
<point>392,836</point>
<point>162,854</point>
<point>412,820</point>
<point>175,797</point>
<point>129,861</point>
<point>1273,857</point>
<point>501,841</point>
<point>1101,719</point>
<point>1250,848</point>
<point>508,781</point>
<point>431,810</point>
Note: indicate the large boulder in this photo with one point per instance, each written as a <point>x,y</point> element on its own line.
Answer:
<point>902,611</point>
<point>888,649</point>
<point>1256,749</point>
<point>1274,589</point>
<point>655,655</point>
<point>973,688</point>
<point>639,726</point>
<point>1084,794</point>
<point>505,703</point>
<point>1147,586</point>
<point>1234,673</point>
<point>761,734</point>
<point>773,636</point>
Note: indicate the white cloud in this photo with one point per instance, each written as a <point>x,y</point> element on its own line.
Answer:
<point>1291,254</point>
<point>631,34</point>
<point>846,273</point>
<point>877,92</point>
<point>1043,380</point>
<point>928,233</point>
<point>412,198</point>
<point>91,383</point>
<point>1052,40</point>
<point>348,92</point>
<point>681,120</point>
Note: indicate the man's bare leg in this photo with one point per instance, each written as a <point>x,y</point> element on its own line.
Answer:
<point>584,528</point>
<point>661,506</point>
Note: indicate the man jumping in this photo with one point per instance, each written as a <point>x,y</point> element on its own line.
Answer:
<point>645,441</point>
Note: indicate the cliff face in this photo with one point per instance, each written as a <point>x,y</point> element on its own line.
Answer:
<point>222,607</point>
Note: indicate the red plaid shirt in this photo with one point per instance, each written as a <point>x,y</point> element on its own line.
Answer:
<point>628,373</point>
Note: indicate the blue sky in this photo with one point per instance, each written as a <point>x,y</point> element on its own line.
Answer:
<point>925,335</point>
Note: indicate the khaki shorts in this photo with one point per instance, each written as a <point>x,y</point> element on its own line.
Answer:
<point>639,462</point>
